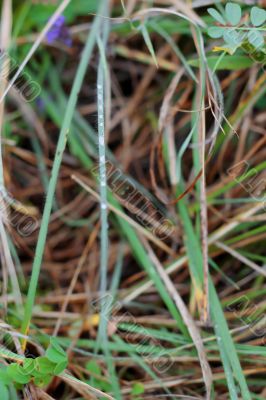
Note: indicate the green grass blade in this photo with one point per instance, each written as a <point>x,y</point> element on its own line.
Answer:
<point>55,171</point>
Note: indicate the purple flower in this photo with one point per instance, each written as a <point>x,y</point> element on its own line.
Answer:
<point>59,31</point>
<point>40,104</point>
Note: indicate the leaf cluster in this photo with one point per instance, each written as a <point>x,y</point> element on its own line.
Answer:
<point>236,30</point>
<point>39,370</point>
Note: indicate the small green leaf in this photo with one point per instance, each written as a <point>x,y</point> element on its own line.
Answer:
<point>137,389</point>
<point>60,367</point>
<point>257,16</point>
<point>17,374</point>
<point>28,365</point>
<point>4,391</point>
<point>93,366</point>
<point>215,32</point>
<point>55,353</point>
<point>42,380</point>
<point>4,377</point>
<point>43,366</point>
<point>255,38</point>
<point>216,15</point>
<point>55,344</point>
<point>232,37</point>
<point>233,13</point>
